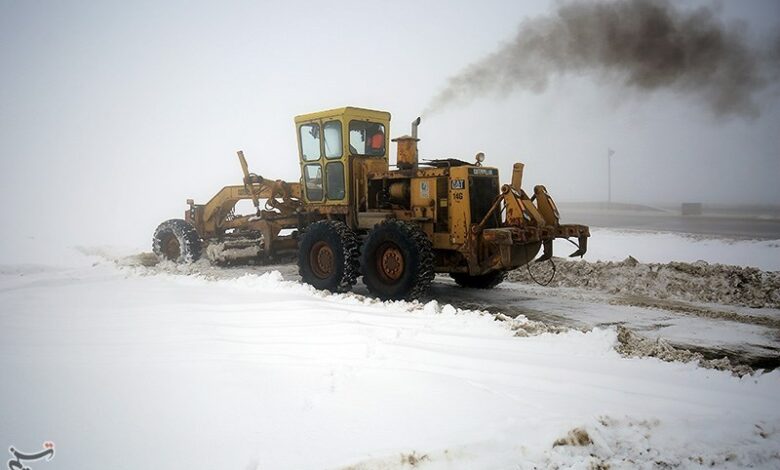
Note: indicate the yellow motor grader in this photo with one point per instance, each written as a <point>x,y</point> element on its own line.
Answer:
<point>351,215</point>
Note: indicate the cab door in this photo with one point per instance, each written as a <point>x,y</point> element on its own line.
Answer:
<point>323,161</point>
<point>333,151</point>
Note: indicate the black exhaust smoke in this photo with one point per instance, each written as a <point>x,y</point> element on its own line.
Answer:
<point>641,45</point>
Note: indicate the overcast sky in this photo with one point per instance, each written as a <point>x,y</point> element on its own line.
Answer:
<point>113,113</point>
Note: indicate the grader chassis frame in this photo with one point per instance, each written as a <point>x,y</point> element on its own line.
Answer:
<point>351,214</point>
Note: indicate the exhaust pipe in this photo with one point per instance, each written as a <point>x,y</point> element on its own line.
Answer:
<point>407,148</point>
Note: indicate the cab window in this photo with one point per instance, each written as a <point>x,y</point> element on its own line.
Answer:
<point>366,138</point>
<point>312,176</point>
<point>310,141</point>
<point>331,133</point>
<point>335,172</point>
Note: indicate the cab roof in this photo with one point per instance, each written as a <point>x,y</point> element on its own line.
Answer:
<point>347,110</point>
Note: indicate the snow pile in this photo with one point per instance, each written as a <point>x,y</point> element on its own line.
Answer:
<point>692,282</point>
<point>664,247</point>
<point>630,442</point>
<point>222,252</point>
<point>631,344</point>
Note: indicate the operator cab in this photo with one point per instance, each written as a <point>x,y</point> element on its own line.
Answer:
<point>330,141</point>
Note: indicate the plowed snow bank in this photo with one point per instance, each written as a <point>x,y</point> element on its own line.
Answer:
<point>664,247</point>
<point>692,282</point>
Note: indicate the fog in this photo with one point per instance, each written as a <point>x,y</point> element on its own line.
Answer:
<point>113,114</point>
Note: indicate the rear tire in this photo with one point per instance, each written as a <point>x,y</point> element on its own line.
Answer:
<point>178,241</point>
<point>397,261</point>
<point>484,281</point>
<point>328,256</point>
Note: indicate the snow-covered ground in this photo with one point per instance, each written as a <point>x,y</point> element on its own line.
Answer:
<point>130,367</point>
<point>122,370</point>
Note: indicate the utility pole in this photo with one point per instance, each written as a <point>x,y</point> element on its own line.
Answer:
<point>610,152</point>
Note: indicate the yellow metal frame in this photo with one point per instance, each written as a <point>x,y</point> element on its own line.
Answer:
<point>414,193</point>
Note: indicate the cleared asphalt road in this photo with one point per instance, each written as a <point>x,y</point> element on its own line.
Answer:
<point>749,228</point>
<point>746,223</point>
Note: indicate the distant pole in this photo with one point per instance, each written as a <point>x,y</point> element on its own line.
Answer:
<point>610,152</point>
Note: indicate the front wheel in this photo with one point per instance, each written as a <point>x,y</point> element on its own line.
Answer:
<point>397,261</point>
<point>176,240</point>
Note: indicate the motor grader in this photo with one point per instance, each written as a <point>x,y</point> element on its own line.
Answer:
<point>351,215</point>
